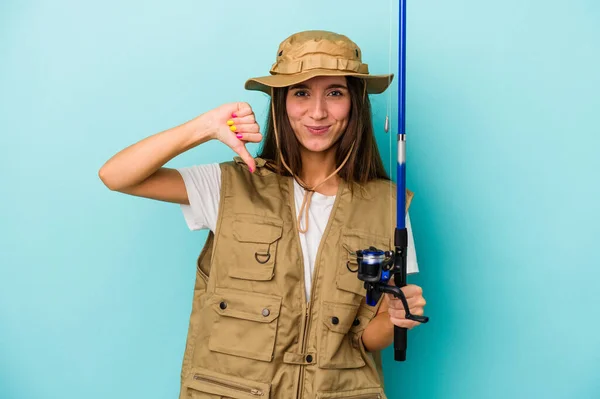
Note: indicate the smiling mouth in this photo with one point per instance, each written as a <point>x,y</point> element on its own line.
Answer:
<point>318,129</point>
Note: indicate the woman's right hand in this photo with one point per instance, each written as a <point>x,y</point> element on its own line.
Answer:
<point>139,168</point>
<point>234,124</point>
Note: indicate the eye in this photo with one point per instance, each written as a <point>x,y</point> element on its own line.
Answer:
<point>336,93</point>
<point>301,93</point>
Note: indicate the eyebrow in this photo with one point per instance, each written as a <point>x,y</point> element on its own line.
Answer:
<point>305,87</point>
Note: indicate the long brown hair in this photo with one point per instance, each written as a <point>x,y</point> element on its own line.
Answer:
<point>364,163</point>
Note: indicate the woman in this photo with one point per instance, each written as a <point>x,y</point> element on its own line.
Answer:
<point>277,311</point>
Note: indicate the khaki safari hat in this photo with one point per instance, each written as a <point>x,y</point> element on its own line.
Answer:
<point>307,54</point>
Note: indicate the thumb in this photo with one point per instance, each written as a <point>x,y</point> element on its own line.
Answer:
<point>246,157</point>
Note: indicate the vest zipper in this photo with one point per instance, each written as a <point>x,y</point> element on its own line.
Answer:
<point>229,385</point>
<point>302,348</point>
<point>308,304</point>
<point>307,319</point>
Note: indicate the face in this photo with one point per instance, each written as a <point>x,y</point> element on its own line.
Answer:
<point>318,110</point>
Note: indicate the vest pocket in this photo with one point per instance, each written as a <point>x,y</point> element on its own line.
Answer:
<point>352,241</point>
<point>367,393</point>
<point>256,247</point>
<point>339,345</point>
<point>247,324</point>
<point>208,384</point>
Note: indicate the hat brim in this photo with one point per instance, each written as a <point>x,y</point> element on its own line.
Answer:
<point>376,84</point>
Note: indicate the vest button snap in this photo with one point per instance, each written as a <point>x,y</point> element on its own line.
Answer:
<point>335,320</point>
<point>309,358</point>
<point>266,312</point>
<point>356,321</point>
<point>223,305</point>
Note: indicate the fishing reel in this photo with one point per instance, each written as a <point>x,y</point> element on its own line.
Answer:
<point>375,268</point>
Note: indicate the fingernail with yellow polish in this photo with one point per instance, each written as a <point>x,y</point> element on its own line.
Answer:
<point>230,122</point>
<point>232,128</point>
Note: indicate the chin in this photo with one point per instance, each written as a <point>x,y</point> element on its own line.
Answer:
<point>314,146</point>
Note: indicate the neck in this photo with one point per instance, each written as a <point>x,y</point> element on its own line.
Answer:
<point>316,166</point>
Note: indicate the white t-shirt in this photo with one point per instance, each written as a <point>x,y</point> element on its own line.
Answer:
<point>203,185</point>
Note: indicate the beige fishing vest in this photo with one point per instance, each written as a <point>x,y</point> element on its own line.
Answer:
<point>252,333</point>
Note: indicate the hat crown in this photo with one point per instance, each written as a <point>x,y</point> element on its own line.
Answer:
<point>318,49</point>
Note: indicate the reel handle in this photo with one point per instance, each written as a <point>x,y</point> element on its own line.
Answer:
<point>400,333</point>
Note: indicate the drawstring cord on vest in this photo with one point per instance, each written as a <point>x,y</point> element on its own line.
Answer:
<point>308,191</point>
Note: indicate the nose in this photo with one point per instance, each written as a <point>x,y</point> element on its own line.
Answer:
<point>318,108</point>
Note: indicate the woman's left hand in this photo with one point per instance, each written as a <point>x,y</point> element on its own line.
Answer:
<point>416,303</point>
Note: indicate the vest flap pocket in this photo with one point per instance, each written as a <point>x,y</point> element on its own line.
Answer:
<point>336,347</point>
<point>222,385</point>
<point>247,324</point>
<point>245,231</point>
<point>352,241</point>
<point>247,306</point>
<point>255,247</point>
<point>339,317</point>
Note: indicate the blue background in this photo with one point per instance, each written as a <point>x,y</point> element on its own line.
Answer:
<point>502,118</point>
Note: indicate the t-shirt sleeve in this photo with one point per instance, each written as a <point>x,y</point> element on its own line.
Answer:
<point>203,185</point>
<point>411,254</point>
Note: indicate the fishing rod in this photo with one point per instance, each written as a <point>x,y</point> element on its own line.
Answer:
<point>375,266</point>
